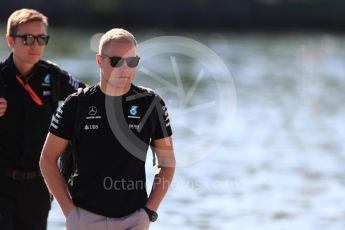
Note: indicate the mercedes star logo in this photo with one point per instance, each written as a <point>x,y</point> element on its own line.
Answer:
<point>92,110</point>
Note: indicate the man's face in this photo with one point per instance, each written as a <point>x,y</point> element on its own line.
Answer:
<point>27,54</point>
<point>119,76</point>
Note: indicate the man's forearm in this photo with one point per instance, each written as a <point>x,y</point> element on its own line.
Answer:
<point>55,183</point>
<point>160,187</point>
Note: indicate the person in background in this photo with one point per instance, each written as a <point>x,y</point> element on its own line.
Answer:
<point>30,89</point>
<point>108,188</point>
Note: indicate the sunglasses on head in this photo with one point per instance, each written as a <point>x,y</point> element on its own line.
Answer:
<point>118,61</point>
<point>29,39</point>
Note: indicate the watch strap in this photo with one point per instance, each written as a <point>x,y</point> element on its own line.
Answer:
<point>152,214</point>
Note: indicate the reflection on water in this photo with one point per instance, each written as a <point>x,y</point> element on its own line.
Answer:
<point>281,166</point>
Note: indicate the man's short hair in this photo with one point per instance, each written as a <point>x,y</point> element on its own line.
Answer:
<point>22,16</point>
<point>116,34</point>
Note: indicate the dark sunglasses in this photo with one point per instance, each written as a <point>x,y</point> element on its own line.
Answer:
<point>29,39</point>
<point>118,61</point>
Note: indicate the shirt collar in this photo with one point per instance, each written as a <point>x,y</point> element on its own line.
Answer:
<point>9,61</point>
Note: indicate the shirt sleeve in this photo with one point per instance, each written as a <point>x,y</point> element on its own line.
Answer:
<point>62,123</point>
<point>161,121</point>
<point>68,84</point>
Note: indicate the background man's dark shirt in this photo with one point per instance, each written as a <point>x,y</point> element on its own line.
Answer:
<point>25,124</point>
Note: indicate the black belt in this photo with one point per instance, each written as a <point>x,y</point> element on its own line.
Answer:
<point>20,174</point>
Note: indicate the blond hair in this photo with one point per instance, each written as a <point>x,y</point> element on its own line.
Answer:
<point>117,34</point>
<point>22,16</point>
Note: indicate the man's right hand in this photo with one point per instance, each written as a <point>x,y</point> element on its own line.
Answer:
<point>3,106</point>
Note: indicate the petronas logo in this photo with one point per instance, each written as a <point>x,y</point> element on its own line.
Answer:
<point>47,79</point>
<point>133,111</point>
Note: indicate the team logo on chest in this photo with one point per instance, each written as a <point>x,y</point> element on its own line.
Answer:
<point>46,83</point>
<point>92,113</point>
<point>92,110</point>
<point>47,80</point>
<point>133,112</point>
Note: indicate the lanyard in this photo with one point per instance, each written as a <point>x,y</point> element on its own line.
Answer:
<point>30,91</point>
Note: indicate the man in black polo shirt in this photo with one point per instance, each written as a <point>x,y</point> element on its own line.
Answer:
<point>30,89</point>
<point>108,188</point>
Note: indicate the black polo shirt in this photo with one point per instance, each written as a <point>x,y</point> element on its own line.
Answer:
<point>112,147</point>
<point>25,124</point>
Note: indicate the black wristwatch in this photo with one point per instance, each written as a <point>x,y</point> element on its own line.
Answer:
<point>152,214</point>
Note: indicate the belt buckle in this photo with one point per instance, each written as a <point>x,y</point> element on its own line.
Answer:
<point>18,175</point>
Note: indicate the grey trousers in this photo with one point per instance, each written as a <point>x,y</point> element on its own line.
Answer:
<point>80,219</point>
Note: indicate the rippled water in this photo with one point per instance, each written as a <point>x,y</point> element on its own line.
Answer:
<point>281,163</point>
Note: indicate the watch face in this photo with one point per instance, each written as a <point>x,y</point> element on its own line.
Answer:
<point>151,214</point>
<point>154,217</point>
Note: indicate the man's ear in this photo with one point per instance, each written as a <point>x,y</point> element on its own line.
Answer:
<point>10,41</point>
<point>99,60</point>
